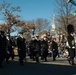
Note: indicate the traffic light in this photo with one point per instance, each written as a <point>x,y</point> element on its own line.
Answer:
<point>69,1</point>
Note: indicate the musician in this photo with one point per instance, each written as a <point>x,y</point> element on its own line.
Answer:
<point>2,47</point>
<point>21,48</point>
<point>71,43</point>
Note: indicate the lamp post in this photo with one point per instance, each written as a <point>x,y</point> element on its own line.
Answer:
<point>59,35</point>
<point>33,30</point>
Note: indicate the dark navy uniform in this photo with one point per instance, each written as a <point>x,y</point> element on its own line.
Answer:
<point>9,49</point>
<point>71,50</point>
<point>71,42</point>
<point>54,49</point>
<point>21,48</point>
<point>37,49</point>
<point>44,49</point>
<point>2,47</point>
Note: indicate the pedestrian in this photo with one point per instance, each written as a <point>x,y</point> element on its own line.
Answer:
<point>32,48</point>
<point>21,43</point>
<point>54,47</point>
<point>71,43</point>
<point>45,49</point>
<point>2,47</point>
<point>9,48</point>
<point>37,48</point>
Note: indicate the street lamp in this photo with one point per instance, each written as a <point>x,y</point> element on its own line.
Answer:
<point>33,30</point>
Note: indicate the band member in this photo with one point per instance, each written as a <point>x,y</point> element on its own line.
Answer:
<point>21,48</point>
<point>44,49</point>
<point>54,46</point>
<point>9,48</point>
<point>2,47</point>
<point>32,48</point>
<point>37,48</point>
<point>71,43</point>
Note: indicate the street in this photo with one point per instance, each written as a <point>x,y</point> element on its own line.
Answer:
<point>59,67</point>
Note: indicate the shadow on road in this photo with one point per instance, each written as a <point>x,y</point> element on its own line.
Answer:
<point>32,68</point>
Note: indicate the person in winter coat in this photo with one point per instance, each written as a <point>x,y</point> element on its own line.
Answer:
<point>2,47</point>
<point>71,43</point>
<point>54,46</point>
<point>21,48</point>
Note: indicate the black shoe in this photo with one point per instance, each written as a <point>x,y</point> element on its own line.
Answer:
<point>33,59</point>
<point>12,59</point>
<point>7,62</point>
<point>69,60</point>
<point>54,59</point>
<point>45,60</point>
<point>37,62</point>
<point>73,64</point>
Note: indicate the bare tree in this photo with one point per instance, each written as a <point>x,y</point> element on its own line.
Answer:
<point>13,22</point>
<point>42,24</point>
<point>27,28</point>
<point>64,13</point>
<point>9,16</point>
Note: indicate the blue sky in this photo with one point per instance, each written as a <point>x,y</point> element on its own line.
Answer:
<point>33,9</point>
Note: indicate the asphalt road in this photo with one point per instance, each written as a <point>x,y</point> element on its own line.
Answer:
<point>59,67</point>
